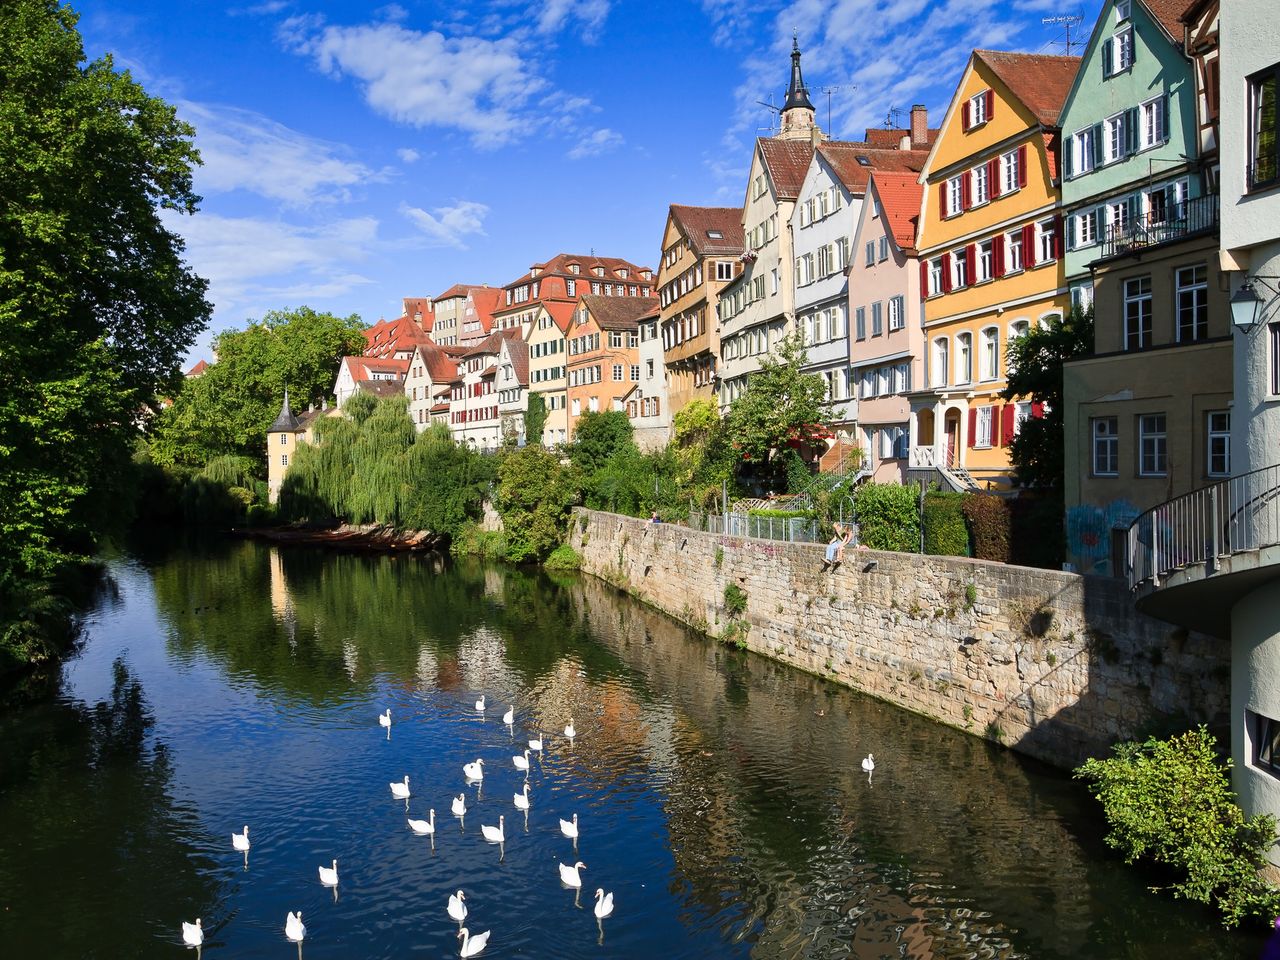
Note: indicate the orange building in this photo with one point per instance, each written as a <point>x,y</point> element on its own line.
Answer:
<point>990,242</point>
<point>603,356</point>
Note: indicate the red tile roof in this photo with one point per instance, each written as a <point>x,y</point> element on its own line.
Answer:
<point>363,368</point>
<point>387,336</point>
<point>619,313</point>
<point>787,162</point>
<point>891,139</point>
<point>518,350</point>
<point>459,290</point>
<point>561,312</point>
<point>1168,13</point>
<point>1039,80</point>
<point>486,303</point>
<point>853,162</point>
<point>440,367</point>
<point>560,263</point>
<point>698,223</point>
<point>198,369</point>
<point>420,310</point>
<point>440,408</point>
<point>899,195</point>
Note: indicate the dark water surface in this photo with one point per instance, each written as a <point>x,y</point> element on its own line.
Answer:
<point>719,795</point>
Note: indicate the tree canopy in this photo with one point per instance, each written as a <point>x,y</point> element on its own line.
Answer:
<point>227,410</point>
<point>97,307</point>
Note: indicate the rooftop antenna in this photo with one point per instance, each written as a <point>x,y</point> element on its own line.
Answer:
<point>829,91</point>
<point>772,109</point>
<point>893,119</point>
<point>1066,21</point>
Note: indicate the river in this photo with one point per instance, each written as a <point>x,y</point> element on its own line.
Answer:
<point>720,796</point>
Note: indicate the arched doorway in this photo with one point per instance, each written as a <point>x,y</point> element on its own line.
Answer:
<point>951,426</point>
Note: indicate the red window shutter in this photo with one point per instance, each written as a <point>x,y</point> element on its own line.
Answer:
<point>991,104</point>
<point>973,425</point>
<point>997,255</point>
<point>1029,246</point>
<point>656,402</point>
<point>964,117</point>
<point>946,274</point>
<point>1037,410</point>
<point>924,279</point>
<point>1022,165</point>
<point>1057,236</point>
<point>971,264</point>
<point>1008,414</point>
<point>942,200</point>
<point>966,191</point>
<point>997,427</point>
<point>993,177</point>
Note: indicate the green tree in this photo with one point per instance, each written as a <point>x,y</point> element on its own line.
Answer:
<point>782,405</point>
<point>535,417</point>
<point>597,437</point>
<point>702,458</point>
<point>1035,363</point>
<point>97,308</point>
<point>533,496</point>
<point>445,483</point>
<point>228,409</point>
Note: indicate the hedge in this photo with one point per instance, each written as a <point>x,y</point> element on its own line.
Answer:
<point>888,518</point>
<point>989,525</point>
<point>780,514</point>
<point>945,533</point>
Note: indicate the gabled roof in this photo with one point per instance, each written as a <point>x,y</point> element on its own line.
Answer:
<point>891,139</point>
<point>787,161</point>
<point>486,303</point>
<point>560,263</point>
<point>899,195</point>
<point>198,369</point>
<point>619,313</point>
<point>699,223</point>
<point>1041,81</point>
<point>853,162</point>
<point>561,311</point>
<point>381,388</point>
<point>492,344</point>
<point>387,336</point>
<point>459,290</point>
<point>1168,13</point>
<point>439,365</point>
<point>518,351</point>
<point>363,368</point>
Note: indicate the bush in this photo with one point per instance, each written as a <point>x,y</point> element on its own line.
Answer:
<point>735,600</point>
<point>888,518</point>
<point>473,541</point>
<point>945,533</point>
<point>780,514</point>
<point>533,496</point>
<point>988,518</point>
<point>563,557</point>
<point>1170,802</point>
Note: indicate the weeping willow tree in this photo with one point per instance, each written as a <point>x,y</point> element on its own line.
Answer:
<point>445,484</point>
<point>378,467</point>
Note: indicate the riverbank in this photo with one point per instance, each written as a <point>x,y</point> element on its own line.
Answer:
<point>1055,665</point>
<point>370,538</point>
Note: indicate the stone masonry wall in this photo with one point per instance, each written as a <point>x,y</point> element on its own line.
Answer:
<point>1055,665</point>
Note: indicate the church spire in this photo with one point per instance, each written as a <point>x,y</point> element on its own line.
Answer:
<point>286,422</point>
<point>797,93</point>
<point>797,113</point>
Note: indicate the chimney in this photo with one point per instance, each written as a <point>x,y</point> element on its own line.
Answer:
<point>919,124</point>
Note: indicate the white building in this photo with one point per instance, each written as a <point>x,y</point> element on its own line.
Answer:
<point>376,375</point>
<point>647,405</point>
<point>431,370</point>
<point>513,388</point>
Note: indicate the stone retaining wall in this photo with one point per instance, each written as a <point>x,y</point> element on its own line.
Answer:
<point>1056,665</point>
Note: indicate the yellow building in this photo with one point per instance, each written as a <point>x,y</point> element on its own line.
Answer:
<point>283,437</point>
<point>991,258</point>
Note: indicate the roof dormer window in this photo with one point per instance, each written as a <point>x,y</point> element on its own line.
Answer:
<point>575,268</point>
<point>715,235</point>
<point>622,273</point>
<point>1122,11</point>
<point>597,271</point>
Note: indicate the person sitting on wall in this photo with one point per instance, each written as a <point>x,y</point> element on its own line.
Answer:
<point>835,549</point>
<point>654,518</point>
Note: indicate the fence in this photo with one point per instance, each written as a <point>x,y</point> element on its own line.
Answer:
<point>1239,514</point>
<point>788,529</point>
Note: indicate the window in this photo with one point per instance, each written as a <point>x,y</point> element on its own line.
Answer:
<point>1117,219</point>
<point>981,186</point>
<point>935,278</point>
<point>1086,228</point>
<point>1273,331</point>
<point>1019,328</point>
<point>284,459</point>
<point>1106,447</point>
<point>860,323</point>
<point>1082,296</point>
<point>1010,175</point>
<point>1113,138</point>
<point>1013,252</point>
<point>1193,303</point>
<point>635,373</point>
<point>978,109</point>
<point>1218,443</point>
<point>1046,242</point>
<point>284,437</point>
<point>617,372</point>
<point>1122,11</point>
<point>964,358</point>
<point>983,265</point>
<point>1264,145</point>
<point>1021,414</point>
<point>990,365</point>
<point>724,270</point>
<point>955,196</point>
<point>1151,129</point>
<point>1117,53</point>
<point>1137,313</point>
<point>1082,155</point>
<point>884,249</point>
<point>1266,742</point>
<point>897,309</point>
<point>877,318</point>
<point>959,269</point>
<point>871,253</point>
<point>982,431</point>
<point>1153,452</point>
<point>938,374</point>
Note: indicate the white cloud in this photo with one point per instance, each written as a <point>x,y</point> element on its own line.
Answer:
<point>408,155</point>
<point>449,225</point>
<point>243,150</point>
<point>590,13</point>
<point>473,84</point>
<point>595,143</point>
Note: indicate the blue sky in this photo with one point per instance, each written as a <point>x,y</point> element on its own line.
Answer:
<point>357,154</point>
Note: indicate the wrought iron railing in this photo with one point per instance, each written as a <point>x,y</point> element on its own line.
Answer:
<point>787,529</point>
<point>1232,516</point>
<point>1176,221</point>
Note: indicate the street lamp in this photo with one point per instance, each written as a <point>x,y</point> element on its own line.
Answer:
<point>1245,305</point>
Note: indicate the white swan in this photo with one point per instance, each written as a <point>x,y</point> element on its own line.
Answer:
<point>460,805</point>
<point>569,875</point>
<point>869,763</point>
<point>522,799</point>
<point>192,933</point>
<point>480,704</point>
<point>457,909</point>
<point>510,716</point>
<point>424,827</point>
<point>604,904</point>
<point>569,731</point>
<point>570,828</point>
<point>329,875</point>
<point>293,928</point>
<point>400,790</point>
<point>522,763</point>
<point>495,834</point>
<point>474,771</point>
<point>472,945</point>
<point>240,841</point>
<point>536,745</point>
<point>384,719</point>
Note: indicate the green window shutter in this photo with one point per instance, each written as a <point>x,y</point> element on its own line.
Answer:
<point>1164,119</point>
<point>1131,121</point>
<point>1068,157</point>
<point>1097,145</point>
<point>1106,58</point>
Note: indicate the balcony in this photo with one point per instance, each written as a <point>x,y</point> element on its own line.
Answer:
<point>1189,559</point>
<point>1175,222</point>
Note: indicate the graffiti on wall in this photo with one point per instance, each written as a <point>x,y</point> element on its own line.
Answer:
<point>1089,527</point>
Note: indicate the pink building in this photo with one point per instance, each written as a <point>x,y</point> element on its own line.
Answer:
<point>886,341</point>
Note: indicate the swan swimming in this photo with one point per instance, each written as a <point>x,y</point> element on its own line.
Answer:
<point>604,904</point>
<point>473,945</point>
<point>329,875</point>
<point>536,745</point>
<point>400,790</point>
<point>384,719</point>
<point>480,704</point>
<point>510,716</point>
<point>521,763</point>
<point>457,909</point>
<point>240,841</point>
<point>474,771</point>
<point>495,834</point>
<point>424,827</point>
<point>869,763</point>
<point>293,928</point>
<point>460,805</point>
<point>522,799</point>
<point>569,731</point>
<point>569,875</point>
<point>570,828</point>
<point>192,933</point>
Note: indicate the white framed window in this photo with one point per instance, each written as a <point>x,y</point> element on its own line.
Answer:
<point>724,270</point>
<point>1013,252</point>
<point>959,270</point>
<point>1218,443</point>
<point>941,358</point>
<point>1106,446</point>
<point>897,311</point>
<point>978,109</point>
<point>1153,451</point>
<point>982,428</point>
<point>1086,228</point>
<point>1082,296</point>
<point>1021,414</point>
<point>1082,151</point>
<point>1113,138</point>
<point>1122,11</point>
<point>1151,120</point>
<point>989,361</point>
<point>1046,245</point>
<point>981,188</point>
<point>955,195</point>
<point>935,277</point>
<point>284,459</point>
<point>1137,313</point>
<point>1009,173</point>
<point>1192,297</point>
<point>964,358</point>
<point>983,265</point>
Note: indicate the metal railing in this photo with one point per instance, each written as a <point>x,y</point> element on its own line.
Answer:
<point>1232,516</point>
<point>786,529</point>
<point>1178,220</point>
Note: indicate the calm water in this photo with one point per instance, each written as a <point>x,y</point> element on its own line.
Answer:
<point>719,795</point>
